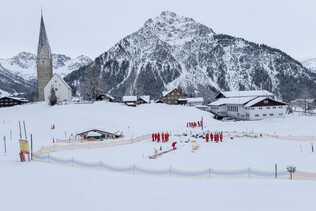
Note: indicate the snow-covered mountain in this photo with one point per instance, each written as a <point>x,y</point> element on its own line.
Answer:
<point>174,51</point>
<point>18,74</point>
<point>310,64</point>
<point>24,64</point>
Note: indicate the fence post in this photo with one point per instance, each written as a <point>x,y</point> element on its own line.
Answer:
<point>276,171</point>
<point>249,172</point>
<point>209,173</point>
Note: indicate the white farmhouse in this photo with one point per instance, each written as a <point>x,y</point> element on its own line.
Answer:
<point>195,102</point>
<point>246,105</point>
<point>62,89</point>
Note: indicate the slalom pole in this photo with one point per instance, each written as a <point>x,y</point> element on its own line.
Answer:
<point>20,130</point>
<point>24,130</point>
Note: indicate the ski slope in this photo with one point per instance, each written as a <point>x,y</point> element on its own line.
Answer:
<point>43,186</point>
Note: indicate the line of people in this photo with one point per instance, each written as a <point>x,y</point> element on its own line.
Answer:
<point>164,137</point>
<point>216,137</point>
<point>195,124</point>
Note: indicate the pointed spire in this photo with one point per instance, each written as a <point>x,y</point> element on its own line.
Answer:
<point>43,40</point>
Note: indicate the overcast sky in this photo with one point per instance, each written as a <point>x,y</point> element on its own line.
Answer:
<point>91,27</point>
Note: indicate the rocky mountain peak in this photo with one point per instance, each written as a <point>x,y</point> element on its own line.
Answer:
<point>24,60</point>
<point>175,29</point>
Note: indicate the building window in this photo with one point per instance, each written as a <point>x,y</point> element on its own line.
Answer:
<point>268,107</point>
<point>264,115</point>
<point>260,108</point>
<point>280,114</point>
<point>274,107</point>
<point>271,114</point>
<point>280,107</point>
<point>252,108</point>
<point>257,115</point>
<point>266,101</point>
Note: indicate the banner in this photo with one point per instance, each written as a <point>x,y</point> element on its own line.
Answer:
<point>24,146</point>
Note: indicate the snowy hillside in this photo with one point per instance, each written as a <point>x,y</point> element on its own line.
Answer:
<point>24,64</point>
<point>310,64</point>
<point>171,50</point>
<point>62,188</point>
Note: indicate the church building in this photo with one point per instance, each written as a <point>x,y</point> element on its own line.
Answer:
<point>46,80</point>
<point>44,61</point>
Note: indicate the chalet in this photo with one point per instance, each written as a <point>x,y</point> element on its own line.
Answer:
<point>248,107</point>
<point>98,134</point>
<point>62,89</point>
<point>143,99</point>
<point>172,97</point>
<point>11,101</point>
<point>105,97</point>
<point>130,100</point>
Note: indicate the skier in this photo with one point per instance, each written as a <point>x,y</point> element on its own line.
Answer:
<point>211,136</point>
<point>153,137</point>
<point>163,137</point>
<point>206,137</point>
<point>221,137</point>
<point>174,145</point>
<point>158,137</point>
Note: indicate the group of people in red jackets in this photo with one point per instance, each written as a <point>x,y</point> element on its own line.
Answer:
<point>163,136</point>
<point>216,137</point>
<point>195,124</point>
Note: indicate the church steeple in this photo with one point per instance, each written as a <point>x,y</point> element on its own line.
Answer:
<point>44,62</point>
<point>43,40</point>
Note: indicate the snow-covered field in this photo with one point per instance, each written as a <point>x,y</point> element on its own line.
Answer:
<point>43,186</point>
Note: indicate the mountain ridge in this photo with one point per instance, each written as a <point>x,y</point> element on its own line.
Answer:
<point>174,51</point>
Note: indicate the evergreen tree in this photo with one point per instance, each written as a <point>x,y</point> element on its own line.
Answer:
<point>52,97</point>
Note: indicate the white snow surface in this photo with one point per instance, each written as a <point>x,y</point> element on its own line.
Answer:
<point>43,186</point>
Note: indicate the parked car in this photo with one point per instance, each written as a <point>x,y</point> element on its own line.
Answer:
<point>229,119</point>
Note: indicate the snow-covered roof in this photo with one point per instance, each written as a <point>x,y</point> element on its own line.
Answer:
<point>129,98</point>
<point>252,93</point>
<point>146,98</point>
<point>195,100</point>
<point>109,96</point>
<point>167,92</point>
<point>232,100</point>
<point>16,98</point>
<point>100,131</point>
<point>259,99</point>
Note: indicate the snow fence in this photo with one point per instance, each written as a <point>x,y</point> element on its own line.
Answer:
<point>136,169</point>
<point>44,155</point>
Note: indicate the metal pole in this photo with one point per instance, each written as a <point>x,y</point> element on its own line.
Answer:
<point>31,147</point>
<point>20,130</point>
<point>276,171</point>
<point>25,130</point>
<point>5,145</point>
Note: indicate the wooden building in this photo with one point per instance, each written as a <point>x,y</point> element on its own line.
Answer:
<point>143,99</point>
<point>130,100</point>
<point>105,97</point>
<point>12,101</point>
<point>172,97</point>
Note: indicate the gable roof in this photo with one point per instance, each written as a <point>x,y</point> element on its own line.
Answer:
<point>62,80</point>
<point>232,100</point>
<point>252,93</point>
<point>164,93</point>
<point>259,99</point>
<point>145,98</point>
